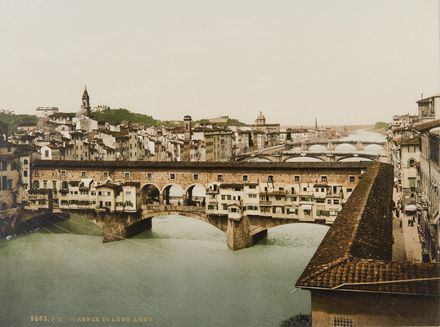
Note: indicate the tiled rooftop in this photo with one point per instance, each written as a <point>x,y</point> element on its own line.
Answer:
<point>356,252</point>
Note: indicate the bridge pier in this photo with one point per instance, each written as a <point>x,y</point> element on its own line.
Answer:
<point>239,234</point>
<point>118,226</point>
<point>138,227</point>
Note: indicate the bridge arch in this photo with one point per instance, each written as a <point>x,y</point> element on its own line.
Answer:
<point>374,147</point>
<point>258,159</point>
<point>352,158</point>
<point>196,195</point>
<point>306,158</point>
<point>149,194</point>
<point>156,211</point>
<point>174,194</point>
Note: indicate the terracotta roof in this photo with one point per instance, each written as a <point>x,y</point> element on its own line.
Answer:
<point>356,252</point>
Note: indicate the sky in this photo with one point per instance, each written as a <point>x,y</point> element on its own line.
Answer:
<point>342,61</point>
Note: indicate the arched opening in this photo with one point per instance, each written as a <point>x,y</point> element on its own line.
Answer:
<point>293,234</point>
<point>354,159</point>
<point>374,149</point>
<point>304,159</point>
<point>258,159</point>
<point>345,147</point>
<point>196,195</point>
<point>150,194</point>
<point>35,185</point>
<point>173,194</point>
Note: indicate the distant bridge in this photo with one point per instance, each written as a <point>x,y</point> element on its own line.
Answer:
<point>333,144</point>
<point>286,156</point>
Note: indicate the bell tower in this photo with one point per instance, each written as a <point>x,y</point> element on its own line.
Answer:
<point>85,104</point>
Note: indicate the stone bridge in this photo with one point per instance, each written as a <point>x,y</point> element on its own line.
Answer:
<point>240,232</point>
<point>286,156</point>
<point>332,144</point>
<point>241,199</point>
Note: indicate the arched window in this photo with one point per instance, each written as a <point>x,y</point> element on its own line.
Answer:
<point>25,161</point>
<point>35,184</point>
<point>411,162</point>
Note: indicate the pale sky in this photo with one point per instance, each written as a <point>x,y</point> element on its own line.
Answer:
<point>344,61</point>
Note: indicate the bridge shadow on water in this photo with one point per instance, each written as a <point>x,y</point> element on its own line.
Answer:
<point>295,235</point>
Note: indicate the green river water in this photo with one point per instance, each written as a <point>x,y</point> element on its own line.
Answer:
<point>180,273</point>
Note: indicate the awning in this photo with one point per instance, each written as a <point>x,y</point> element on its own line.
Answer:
<point>411,207</point>
<point>307,207</point>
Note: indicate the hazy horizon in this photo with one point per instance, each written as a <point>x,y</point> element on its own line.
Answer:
<point>345,62</point>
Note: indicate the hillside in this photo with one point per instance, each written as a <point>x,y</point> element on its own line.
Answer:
<point>13,120</point>
<point>116,116</point>
<point>229,122</point>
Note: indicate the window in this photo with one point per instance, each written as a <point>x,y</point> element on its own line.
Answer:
<point>342,321</point>
<point>25,173</point>
<point>172,176</point>
<point>352,179</point>
<point>323,179</point>
<point>63,173</point>
<point>335,201</point>
<point>149,176</point>
<point>105,174</point>
<point>54,185</point>
<point>196,177</point>
<point>45,184</point>
<point>127,175</point>
<point>219,178</point>
<point>270,179</point>
<point>83,174</point>
<point>411,162</point>
<point>297,179</point>
<point>245,178</point>
<point>329,201</point>
<point>349,190</point>
<point>46,153</point>
<point>25,161</point>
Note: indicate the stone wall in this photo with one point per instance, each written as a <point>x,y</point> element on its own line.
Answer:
<point>374,309</point>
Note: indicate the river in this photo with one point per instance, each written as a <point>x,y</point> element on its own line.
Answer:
<point>180,273</point>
